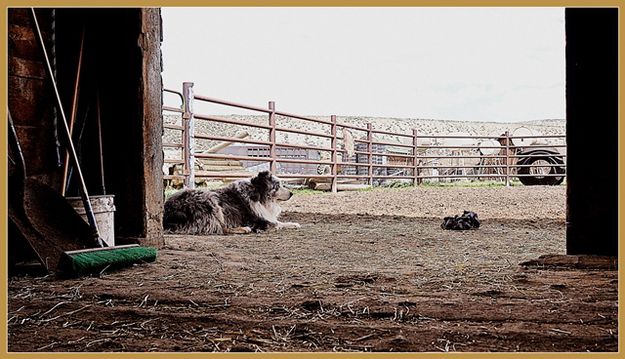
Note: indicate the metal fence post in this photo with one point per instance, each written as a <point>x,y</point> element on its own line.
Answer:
<point>507,139</point>
<point>272,136</point>
<point>369,155</point>
<point>188,141</point>
<point>415,158</point>
<point>334,157</point>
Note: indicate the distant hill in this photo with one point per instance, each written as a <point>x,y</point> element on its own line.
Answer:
<point>428,127</point>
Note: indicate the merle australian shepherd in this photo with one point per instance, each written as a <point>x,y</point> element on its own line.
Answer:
<point>243,206</point>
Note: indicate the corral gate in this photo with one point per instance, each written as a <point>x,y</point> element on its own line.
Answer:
<point>341,151</point>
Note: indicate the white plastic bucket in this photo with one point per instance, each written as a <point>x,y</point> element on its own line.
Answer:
<point>104,212</point>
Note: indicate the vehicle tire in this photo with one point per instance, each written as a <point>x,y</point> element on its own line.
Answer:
<point>552,165</point>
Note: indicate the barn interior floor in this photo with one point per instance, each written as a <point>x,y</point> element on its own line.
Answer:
<point>350,282</point>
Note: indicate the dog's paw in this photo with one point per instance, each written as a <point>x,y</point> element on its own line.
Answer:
<point>238,230</point>
<point>296,225</point>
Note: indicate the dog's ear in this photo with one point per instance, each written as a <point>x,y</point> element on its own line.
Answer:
<point>261,180</point>
<point>261,185</point>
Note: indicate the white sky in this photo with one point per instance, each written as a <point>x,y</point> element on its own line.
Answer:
<point>473,64</point>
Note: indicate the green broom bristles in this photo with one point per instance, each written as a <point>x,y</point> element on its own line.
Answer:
<point>93,262</point>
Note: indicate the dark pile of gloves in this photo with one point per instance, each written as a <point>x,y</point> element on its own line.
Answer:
<point>466,221</point>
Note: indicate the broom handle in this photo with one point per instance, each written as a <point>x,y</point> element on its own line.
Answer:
<point>72,151</point>
<point>72,118</point>
<point>99,120</point>
<point>91,250</point>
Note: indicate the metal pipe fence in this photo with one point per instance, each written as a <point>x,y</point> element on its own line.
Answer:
<point>381,154</point>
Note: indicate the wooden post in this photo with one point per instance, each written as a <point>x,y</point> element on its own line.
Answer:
<point>369,150</point>
<point>334,157</point>
<point>221,145</point>
<point>188,124</point>
<point>507,168</point>
<point>415,159</point>
<point>272,136</point>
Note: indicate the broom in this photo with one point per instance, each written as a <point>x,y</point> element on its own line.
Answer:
<point>96,260</point>
<point>84,261</point>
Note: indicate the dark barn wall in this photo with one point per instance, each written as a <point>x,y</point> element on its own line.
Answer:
<point>592,130</point>
<point>30,101</point>
<point>122,66</point>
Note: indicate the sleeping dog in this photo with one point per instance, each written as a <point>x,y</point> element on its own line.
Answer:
<point>241,207</point>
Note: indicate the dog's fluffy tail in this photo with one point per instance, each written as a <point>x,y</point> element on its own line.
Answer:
<point>193,212</point>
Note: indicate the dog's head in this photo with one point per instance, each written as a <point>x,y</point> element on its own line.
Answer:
<point>268,188</point>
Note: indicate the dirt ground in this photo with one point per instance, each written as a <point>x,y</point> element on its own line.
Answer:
<point>368,271</point>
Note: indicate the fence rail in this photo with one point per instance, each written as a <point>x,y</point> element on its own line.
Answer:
<point>381,154</point>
